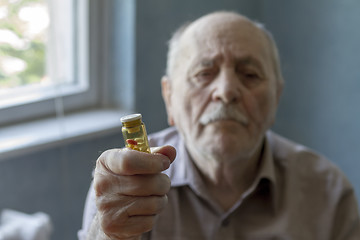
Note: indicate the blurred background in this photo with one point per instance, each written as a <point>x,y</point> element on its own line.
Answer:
<point>103,59</point>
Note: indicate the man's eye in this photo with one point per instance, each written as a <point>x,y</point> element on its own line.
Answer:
<point>251,76</point>
<point>205,76</point>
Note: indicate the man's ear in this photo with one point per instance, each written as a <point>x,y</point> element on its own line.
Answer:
<point>166,94</point>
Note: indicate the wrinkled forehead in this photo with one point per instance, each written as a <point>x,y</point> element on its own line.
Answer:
<point>226,33</point>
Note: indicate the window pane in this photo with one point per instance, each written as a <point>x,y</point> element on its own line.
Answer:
<point>23,35</point>
<point>38,48</point>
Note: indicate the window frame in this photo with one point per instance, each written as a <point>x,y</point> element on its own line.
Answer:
<point>108,46</point>
<point>84,95</point>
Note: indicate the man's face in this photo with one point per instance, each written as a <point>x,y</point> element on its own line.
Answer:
<point>223,94</point>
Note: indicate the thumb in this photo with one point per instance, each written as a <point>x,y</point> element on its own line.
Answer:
<point>167,150</point>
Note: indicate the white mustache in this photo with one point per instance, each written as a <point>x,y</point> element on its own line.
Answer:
<point>223,112</point>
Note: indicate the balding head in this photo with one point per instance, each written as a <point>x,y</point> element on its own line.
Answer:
<point>225,22</point>
<point>223,85</point>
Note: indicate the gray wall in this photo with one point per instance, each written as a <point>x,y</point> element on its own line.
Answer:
<point>54,181</point>
<point>319,45</point>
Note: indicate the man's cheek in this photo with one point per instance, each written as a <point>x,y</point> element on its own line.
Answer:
<point>253,109</point>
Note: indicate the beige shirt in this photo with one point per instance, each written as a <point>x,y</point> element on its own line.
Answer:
<point>297,194</point>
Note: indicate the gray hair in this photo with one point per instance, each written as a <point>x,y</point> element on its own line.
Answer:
<point>173,49</point>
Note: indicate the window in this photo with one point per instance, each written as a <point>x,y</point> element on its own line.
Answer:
<point>22,45</point>
<point>69,100</point>
<point>43,57</point>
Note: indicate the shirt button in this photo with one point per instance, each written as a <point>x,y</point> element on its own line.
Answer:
<point>225,222</point>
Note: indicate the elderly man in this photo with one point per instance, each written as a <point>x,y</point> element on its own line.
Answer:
<point>232,178</point>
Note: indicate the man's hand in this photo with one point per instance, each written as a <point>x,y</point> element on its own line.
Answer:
<point>131,190</point>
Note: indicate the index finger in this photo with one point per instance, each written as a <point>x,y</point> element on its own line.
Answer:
<point>130,162</point>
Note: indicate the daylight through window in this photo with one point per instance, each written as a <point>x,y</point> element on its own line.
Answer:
<point>37,50</point>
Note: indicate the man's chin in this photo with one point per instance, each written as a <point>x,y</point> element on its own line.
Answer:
<point>224,133</point>
<point>227,125</point>
<point>225,151</point>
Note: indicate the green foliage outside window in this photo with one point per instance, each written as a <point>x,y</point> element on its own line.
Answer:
<point>23,25</point>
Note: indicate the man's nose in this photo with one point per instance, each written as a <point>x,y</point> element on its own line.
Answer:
<point>227,88</point>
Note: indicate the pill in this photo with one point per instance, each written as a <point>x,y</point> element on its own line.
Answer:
<point>131,142</point>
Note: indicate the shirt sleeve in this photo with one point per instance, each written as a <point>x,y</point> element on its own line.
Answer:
<point>89,213</point>
<point>347,221</point>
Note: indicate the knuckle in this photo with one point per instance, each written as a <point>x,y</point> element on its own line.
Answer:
<point>165,200</point>
<point>108,227</point>
<point>154,205</point>
<point>115,161</point>
<point>103,204</point>
<point>125,162</point>
<point>159,204</point>
<point>148,224</point>
<point>104,155</point>
<point>112,211</point>
<point>102,162</point>
<point>101,184</point>
<point>125,166</point>
<point>165,183</point>
<point>140,225</point>
<point>125,227</point>
<point>106,183</point>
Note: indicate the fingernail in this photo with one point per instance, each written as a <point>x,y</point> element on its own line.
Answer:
<point>166,163</point>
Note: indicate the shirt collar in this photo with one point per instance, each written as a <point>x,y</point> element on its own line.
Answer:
<point>267,176</point>
<point>184,172</point>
